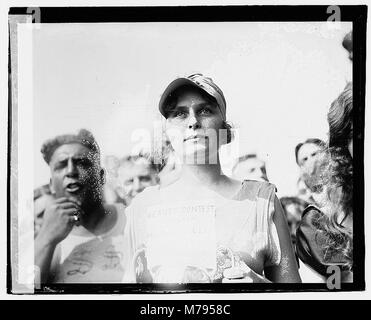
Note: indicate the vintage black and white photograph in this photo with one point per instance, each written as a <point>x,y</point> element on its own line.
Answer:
<point>159,152</point>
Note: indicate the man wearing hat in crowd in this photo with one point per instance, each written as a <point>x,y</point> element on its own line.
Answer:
<point>80,240</point>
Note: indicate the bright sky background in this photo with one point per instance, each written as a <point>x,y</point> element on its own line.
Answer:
<point>278,79</point>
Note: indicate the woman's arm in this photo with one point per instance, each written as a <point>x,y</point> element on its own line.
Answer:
<point>287,269</point>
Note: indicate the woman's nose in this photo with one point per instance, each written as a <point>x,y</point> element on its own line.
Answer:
<point>193,122</point>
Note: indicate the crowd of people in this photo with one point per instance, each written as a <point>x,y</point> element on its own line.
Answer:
<point>184,220</point>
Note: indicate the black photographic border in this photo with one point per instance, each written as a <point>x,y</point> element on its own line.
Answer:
<point>355,14</point>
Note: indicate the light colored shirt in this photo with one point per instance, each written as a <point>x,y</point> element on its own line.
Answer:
<point>86,258</point>
<point>172,238</point>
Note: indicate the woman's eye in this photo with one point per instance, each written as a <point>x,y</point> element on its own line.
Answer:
<point>204,111</point>
<point>179,114</point>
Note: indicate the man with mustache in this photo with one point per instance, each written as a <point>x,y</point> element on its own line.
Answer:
<point>80,240</point>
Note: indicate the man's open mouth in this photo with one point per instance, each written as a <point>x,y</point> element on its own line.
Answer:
<point>74,187</point>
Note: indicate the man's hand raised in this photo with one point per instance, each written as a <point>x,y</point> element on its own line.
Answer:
<point>59,218</point>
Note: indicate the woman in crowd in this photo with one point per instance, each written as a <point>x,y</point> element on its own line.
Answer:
<point>205,226</point>
<point>325,235</point>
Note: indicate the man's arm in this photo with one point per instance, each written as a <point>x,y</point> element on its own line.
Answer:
<point>59,219</point>
<point>44,251</point>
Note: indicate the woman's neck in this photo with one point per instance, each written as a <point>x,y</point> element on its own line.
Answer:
<point>204,174</point>
<point>208,176</point>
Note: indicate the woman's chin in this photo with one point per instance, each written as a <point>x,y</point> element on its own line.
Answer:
<point>200,157</point>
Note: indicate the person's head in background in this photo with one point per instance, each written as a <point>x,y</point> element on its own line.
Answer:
<point>348,44</point>
<point>111,164</point>
<point>307,151</point>
<point>76,172</point>
<point>340,120</point>
<point>250,167</point>
<point>294,208</point>
<point>330,179</point>
<point>134,174</point>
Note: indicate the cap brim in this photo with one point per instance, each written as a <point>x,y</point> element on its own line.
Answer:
<point>180,82</point>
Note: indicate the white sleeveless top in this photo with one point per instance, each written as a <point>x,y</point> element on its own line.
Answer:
<point>170,239</point>
<point>86,258</point>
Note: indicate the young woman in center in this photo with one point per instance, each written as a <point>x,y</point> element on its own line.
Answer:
<point>205,226</point>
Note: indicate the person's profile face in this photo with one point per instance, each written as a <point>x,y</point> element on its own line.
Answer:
<point>193,126</point>
<point>133,178</point>
<point>307,154</point>
<point>251,169</point>
<point>75,172</point>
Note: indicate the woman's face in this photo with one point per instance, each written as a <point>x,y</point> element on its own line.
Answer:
<point>193,127</point>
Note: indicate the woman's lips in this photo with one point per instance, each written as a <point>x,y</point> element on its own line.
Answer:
<point>195,138</point>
